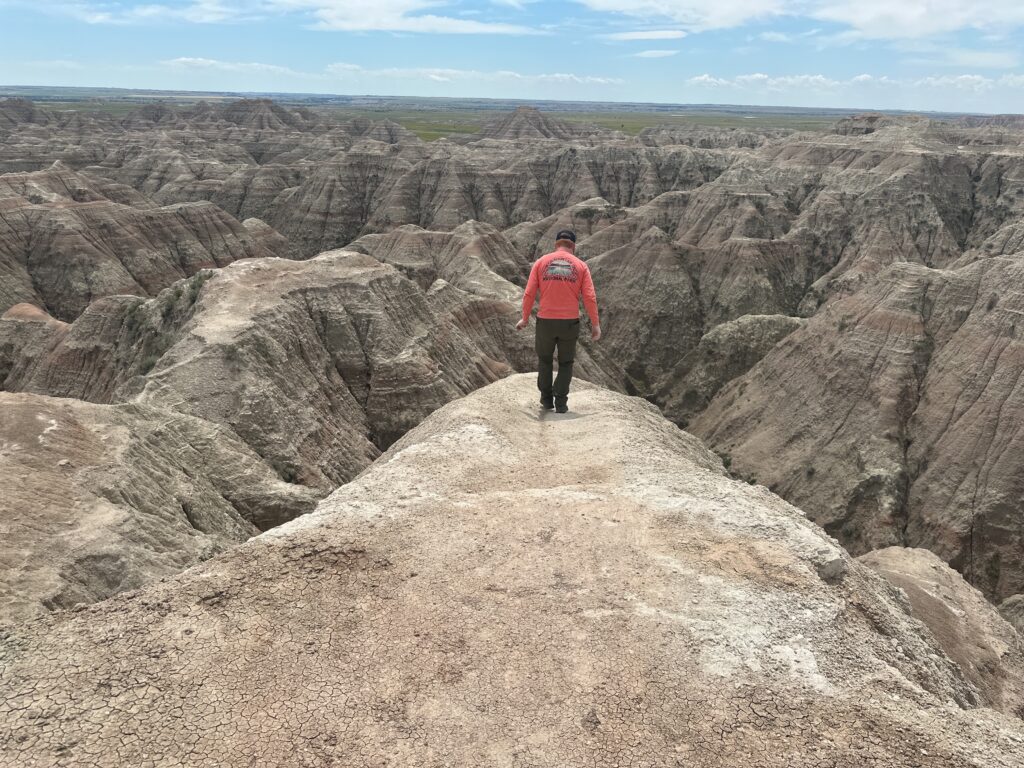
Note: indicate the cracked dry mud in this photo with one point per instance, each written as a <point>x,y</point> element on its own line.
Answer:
<point>509,587</point>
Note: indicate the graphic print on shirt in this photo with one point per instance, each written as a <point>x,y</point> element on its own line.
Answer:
<point>562,270</point>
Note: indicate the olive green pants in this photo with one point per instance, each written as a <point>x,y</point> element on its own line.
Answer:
<point>552,336</point>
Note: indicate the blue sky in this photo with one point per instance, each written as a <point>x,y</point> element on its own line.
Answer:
<point>904,54</point>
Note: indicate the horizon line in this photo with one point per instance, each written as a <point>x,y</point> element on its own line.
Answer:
<point>497,100</point>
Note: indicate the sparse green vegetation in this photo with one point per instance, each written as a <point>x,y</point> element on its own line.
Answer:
<point>195,285</point>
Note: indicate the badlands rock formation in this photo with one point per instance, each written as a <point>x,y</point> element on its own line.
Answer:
<point>509,587</point>
<point>891,418</point>
<point>529,123</point>
<point>102,498</point>
<point>306,370</point>
<point>988,650</point>
<point>871,266</point>
<point>316,365</point>
<point>66,240</point>
<point>1012,609</point>
<point>724,353</point>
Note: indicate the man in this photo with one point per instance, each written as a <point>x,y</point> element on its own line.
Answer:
<point>562,279</point>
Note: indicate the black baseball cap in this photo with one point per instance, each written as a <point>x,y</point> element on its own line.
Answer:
<point>566,234</point>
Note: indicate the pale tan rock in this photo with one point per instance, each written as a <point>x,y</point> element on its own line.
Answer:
<point>316,365</point>
<point>64,243</point>
<point>505,585</point>
<point>969,629</point>
<point>98,499</point>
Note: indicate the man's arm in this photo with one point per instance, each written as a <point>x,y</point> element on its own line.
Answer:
<point>590,302</point>
<point>532,286</point>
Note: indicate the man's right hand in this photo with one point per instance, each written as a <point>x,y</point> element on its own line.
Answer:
<point>595,333</point>
<point>522,324</point>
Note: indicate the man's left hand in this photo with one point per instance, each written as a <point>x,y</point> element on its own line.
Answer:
<point>522,324</point>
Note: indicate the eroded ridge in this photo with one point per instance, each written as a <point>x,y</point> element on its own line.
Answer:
<point>506,587</point>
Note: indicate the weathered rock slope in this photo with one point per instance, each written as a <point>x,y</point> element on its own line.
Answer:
<point>892,418</point>
<point>66,240</point>
<point>98,499</point>
<point>970,630</point>
<point>509,587</point>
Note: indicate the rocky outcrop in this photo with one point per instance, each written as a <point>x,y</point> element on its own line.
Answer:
<point>651,307</point>
<point>17,112</point>
<point>256,114</point>
<point>709,137</point>
<point>99,499</point>
<point>598,580</point>
<point>890,418</point>
<point>692,232</point>
<point>869,122</point>
<point>60,184</point>
<point>533,239</point>
<point>969,629</point>
<point>295,392</point>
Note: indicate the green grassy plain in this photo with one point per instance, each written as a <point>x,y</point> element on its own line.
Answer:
<point>433,119</point>
<point>430,125</point>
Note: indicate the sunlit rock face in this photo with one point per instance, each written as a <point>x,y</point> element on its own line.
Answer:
<point>498,574</point>
<point>890,417</point>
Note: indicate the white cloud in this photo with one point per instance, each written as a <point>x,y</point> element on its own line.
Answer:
<point>124,13</point>
<point>343,15</point>
<point>692,14</point>
<point>655,54</point>
<point>966,57</point>
<point>861,19</point>
<point>555,77</point>
<point>392,16</point>
<point>348,71</point>
<point>873,19</point>
<point>759,82</point>
<point>892,19</point>
<point>708,81</point>
<point>186,62</point>
<point>648,34</point>
<point>874,80</point>
<point>975,83</point>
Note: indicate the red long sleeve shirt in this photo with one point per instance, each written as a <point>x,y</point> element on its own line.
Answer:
<point>562,279</point>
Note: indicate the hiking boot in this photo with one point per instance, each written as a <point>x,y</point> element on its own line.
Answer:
<point>547,402</point>
<point>561,405</point>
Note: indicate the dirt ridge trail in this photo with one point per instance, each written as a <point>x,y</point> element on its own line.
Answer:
<point>506,587</point>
